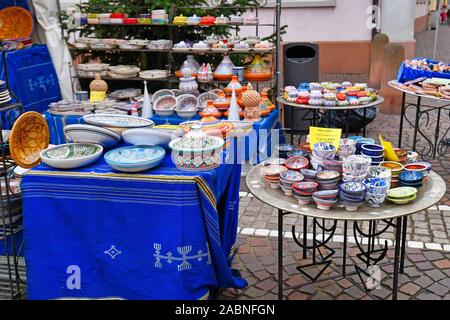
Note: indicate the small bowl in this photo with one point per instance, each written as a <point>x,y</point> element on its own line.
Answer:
<point>417,167</point>
<point>352,178</point>
<point>411,176</point>
<point>375,200</point>
<point>305,187</point>
<point>376,186</point>
<point>372,150</point>
<point>394,166</point>
<point>297,153</point>
<point>324,150</point>
<point>297,163</point>
<point>352,188</point>
<point>291,176</point>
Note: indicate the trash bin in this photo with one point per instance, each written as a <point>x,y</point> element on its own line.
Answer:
<point>301,64</point>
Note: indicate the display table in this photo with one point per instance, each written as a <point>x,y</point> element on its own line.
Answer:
<point>314,109</point>
<point>161,234</point>
<point>439,145</point>
<point>391,215</point>
<point>56,124</point>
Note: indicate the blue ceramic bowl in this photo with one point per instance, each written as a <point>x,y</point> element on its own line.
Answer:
<point>135,158</point>
<point>352,188</point>
<point>411,177</point>
<point>357,138</point>
<point>362,141</point>
<point>297,153</point>
<point>372,150</point>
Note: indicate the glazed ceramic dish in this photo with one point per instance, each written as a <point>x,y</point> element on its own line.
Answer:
<point>117,121</point>
<point>29,136</point>
<point>71,155</point>
<point>135,159</point>
<point>85,133</point>
<point>165,106</point>
<point>148,137</point>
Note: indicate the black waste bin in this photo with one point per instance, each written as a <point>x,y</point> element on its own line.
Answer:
<point>300,64</point>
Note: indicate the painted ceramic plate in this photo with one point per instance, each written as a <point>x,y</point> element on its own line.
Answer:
<point>85,133</point>
<point>71,155</point>
<point>118,121</point>
<point>29,136</point>
<point>402,192</point>
<point>15,22</point>
<point>135,159</point>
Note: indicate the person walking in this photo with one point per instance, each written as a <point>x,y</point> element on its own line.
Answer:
<point>444,14</point>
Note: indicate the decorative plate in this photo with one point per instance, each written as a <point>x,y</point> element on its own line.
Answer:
<point>71,155</point>
<point>85,133</point>
<point>29,136</point>
<point>15,22</point>
<point>402,192</point>
<point>117,121</point>
<point>135,159</point>
<point>160,93</point>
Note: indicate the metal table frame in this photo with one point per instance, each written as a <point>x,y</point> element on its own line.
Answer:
<point>439,145</point>
<point>389,214</point>
<point>317,109</point>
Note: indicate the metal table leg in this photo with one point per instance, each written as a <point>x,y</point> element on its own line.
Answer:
<point>364,121</point>
<point>436,133</point>
<point>398,232</point>
<point>344,249</point>
<point>402,256</point>
<point>416,125</point>
<point>280,254</point>
<point>402,115</point>
<point>305,240</point>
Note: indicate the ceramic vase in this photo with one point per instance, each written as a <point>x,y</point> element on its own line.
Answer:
<point>250,101</point>
<point>188,85</point>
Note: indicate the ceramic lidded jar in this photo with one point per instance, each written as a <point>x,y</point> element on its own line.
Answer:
<point>225,69</point>
<point>210,113</point>
<point>188,85</point>
<point>98,89</point>
<point>258,70</point>
<point>250,101</point>
<point>234,84</point>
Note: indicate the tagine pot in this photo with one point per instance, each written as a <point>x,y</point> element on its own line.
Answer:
<point>210,113</point>
<point>258,70</point>
<point>234,84</point>
<point>225,69</point>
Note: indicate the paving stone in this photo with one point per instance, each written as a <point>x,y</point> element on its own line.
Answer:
<point>310,289</point>
<point>445,282</point>
<point>333,290</point>
<point>321,296</point>
<point>410,289</point>
<point>298,296</point>
<point>423,281</point>
<point>442,264</point>
<point>416,257</point>
<point>435,274</point>
<point>254,267</point>
<point>438,289</point>
<point>424,266</point>
<point>261,275</point>
<point>253,292</point>
<point>433,255</point>
<point>355,292</point>
<point>266,285</point>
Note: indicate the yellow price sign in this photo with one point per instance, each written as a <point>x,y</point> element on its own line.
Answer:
<point>389,153</point>
<point>97,96</point>
<point>331,136</point>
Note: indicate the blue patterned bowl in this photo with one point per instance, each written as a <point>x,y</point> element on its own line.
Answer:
<point>372,150</point>
<point>411,176</point>
<point>135,158</point>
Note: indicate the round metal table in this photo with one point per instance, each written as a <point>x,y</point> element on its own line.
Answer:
<point>391,215</point>
<point>314,110</point>
<point>422,111</point>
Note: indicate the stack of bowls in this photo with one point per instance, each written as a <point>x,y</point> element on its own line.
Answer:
<point>355,168</point>
<point>297,163</point>
<point>328,179</point>
<point>381,173</point>
<point>303,191</point>
<point>402,155</point>
<point>352,195</point>
<point>402,195</point>
<point>411,179</point>
<point>325,199</point>
<point>271,174</point>
<point>310,175</point>
<point>283,149</point>
<point>422,167</point>
<point>322,151</point>
<point>374,151</point>
<point>347,147</point>
<point>396,168</point>
<point>297,153</point>
<point>376,191</point>
<point>287,179</point>
<point>361,142</point>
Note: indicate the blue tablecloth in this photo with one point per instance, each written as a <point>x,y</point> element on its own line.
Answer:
<point>253,144</point>
<point>161,234</point>
<point>406,73</point>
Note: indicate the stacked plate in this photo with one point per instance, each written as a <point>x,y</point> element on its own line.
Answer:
<point>328,179</point>
<point>4,93</point>
<point>325,199</point>
<point>271,174</point>
<point>411,179</point>
<point>287,179</point>
<point>402,195</point>
<point>303,191</point>
<point>352,195</point>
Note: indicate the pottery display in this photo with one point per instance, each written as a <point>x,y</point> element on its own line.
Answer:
<point>225,69</point>
<point>303,191</point>
<point>287,179</point>
<point>352,195</point>
<point>210,112</point>
<point>233,85</point>
<point>258,70</point>
<point>205,74</point>
<point>186,106</point>
<point>71,155</point>
<point>164,106</point>
<point>85,133</point>
<point>297,163</point>
<point>135,158</point>
<point>160,93</point>
<point>117,122</point>
<point>29,136</point>
<point>202,99</point>
<point>402,195</point>
<point>197,151</point>
<point>222,103</point>
<point>325,199</point>
<point>411,179</point>
<point>207,20</point>
<point>188,85</point>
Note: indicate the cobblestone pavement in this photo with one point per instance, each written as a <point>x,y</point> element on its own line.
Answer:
<point>428,234</point>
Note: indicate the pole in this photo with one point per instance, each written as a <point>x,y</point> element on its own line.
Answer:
<point>278,42</point>
<point>436,33</point>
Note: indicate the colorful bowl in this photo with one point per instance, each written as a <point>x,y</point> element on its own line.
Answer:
<point>297,163</point>
<point>395,167</point>
<point>135,158</point>
<point>372,150</point>
<point>71,155</point>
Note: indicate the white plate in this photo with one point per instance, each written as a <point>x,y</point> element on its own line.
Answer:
<point>118,121</point>
<point>85,133</point>
<point>148,137</point>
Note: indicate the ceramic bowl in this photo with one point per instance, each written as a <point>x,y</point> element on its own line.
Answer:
<point>117,121</point>
<point>324,150</point>
<point>303,200</point>
<point>326,194</point>
<point>379,172</point>
<point>376,186</point>
<point>291,177</point>
<point>352,188</point>
<point>402,193</point>
<point>356,165</point>
<point>273,170</point>
<point>411,176</point>
<point>305,188</point>
<point>297,153</point>
<point>395,167</point>
<point>372,150</point>
<point>135,158</point>
<point>351,178</point>
<point>71,155</point>
<point>403,200</point>
<point>328,175</point>
<point>375,200</point>
<point>310,175</point>
<point>417,167</point>
<point>85,133</point>
<point>161,93</point>
<point>277,161</point>
<point>149,137</point>
<point>165,106</point>
<point>297,163</point>
<point>324,204</point>
<point>347,145</point>
<point>283,149</point>
<point>333,165</point>
<point>361,142</point>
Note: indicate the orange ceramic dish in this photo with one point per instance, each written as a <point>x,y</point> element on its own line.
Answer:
<point>215,115</point>
<point>29,136</point>
<point>15,22</point>
<point>222,77</point>
<point>258,76</point>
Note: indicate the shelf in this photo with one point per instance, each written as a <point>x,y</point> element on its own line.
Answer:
<point>125,79</point>
<point>72,48</point>
<point>178,25</point>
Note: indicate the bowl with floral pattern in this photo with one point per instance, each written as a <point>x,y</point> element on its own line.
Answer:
<point>71,155</point>
<point>297,163</point>
<point>135,158</point>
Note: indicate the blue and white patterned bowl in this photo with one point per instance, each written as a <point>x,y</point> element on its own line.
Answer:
<point>135,158</point>
<point>372,150</point>
<point>376,186</point>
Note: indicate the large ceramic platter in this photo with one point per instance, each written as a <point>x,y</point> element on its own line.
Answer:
<point>85,133</point>
<point>29,136</point>
<point>135,159</point>
<point>15,22</point>
<point>71,155</point>
<point>117,121</point>
<point>148,137</point>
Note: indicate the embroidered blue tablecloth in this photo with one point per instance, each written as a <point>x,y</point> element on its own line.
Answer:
<point>254,146</point>
<point>161,234</point>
